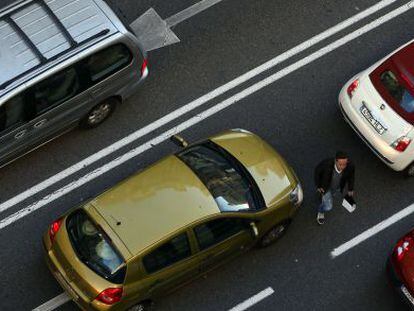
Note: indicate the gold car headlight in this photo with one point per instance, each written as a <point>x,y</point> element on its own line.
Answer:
<point>296,196</point>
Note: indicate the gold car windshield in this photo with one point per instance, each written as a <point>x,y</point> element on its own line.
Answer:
<point>94,248</point>
<point>227,180</point>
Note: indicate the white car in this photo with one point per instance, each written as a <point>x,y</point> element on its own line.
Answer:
<point>378,104</point>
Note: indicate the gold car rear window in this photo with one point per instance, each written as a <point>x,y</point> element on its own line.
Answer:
<point>94,248</point>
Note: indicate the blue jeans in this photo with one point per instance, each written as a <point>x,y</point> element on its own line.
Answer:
<point>327,201</point>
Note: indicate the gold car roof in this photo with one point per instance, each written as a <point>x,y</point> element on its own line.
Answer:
<point>154,203</point>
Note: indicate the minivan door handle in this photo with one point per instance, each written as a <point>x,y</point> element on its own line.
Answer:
<point>40,123</point>
<point>20,134</point>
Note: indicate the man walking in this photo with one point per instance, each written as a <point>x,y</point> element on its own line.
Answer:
<point>331,177</point>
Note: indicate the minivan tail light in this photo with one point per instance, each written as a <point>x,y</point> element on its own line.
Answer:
<point>352,88</point>
<point>54,228</point>
<point>144,68</point>
<point>110,296</point>
<point>401,143</point>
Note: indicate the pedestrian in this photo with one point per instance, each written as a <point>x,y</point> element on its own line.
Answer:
<point>332,176</point>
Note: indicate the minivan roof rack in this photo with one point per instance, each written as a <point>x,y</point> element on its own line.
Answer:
<point>99,34</point>
<point>58,23</point>
<point>37,53</point>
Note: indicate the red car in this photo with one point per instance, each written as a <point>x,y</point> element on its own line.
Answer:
<point>400,266</point>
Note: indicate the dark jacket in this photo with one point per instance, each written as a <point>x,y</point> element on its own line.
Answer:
<point>323,175</point>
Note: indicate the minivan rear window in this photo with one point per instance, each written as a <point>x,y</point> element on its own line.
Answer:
<point>108,61</point>
<point>94,248</point>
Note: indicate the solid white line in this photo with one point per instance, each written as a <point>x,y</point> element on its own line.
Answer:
<point>253,300</point>
<point>190,11</point>
<point>203,115</point>
<point>189,107</point>
<point>54,303</point>
<point>372,231</point>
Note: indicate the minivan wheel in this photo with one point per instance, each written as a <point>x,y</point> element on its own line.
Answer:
<point>99,113</point>
<point>274,234</point>
<point>409,171</point>
<point>142,306</point>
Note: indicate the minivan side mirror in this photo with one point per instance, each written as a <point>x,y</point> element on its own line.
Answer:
<point>179,141</point>
<point>254,229</point>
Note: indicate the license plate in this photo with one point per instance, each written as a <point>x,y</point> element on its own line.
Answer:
<point>374,123</point>
<point>407,294</point>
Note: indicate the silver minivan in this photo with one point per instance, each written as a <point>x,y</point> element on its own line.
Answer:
<point>63,63</point>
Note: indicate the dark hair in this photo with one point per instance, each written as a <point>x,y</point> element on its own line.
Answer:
<point>341,155</point>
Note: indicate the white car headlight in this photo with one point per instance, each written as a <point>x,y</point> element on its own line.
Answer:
<point>296,196</point>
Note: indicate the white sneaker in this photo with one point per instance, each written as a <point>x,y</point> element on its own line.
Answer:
<point>320,218</point>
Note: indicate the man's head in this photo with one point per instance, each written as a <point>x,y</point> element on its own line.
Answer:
<point>341,160</point>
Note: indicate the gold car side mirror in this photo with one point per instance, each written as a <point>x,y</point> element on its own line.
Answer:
<point>255,231</point>
<point>179,141</point>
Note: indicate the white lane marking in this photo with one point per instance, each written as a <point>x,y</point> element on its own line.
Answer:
<point>54,303</point>
<point>190,11</point>
<point>372,231</point>
<point>201,116</point>
<point>189,107</point>
<point>253,300</point>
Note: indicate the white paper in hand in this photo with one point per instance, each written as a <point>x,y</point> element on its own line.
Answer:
<point>349,207</point>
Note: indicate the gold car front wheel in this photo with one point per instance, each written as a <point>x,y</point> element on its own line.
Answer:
<point>274,234</point>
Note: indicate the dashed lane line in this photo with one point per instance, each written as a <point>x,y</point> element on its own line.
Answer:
<point>190,11</point>
<point>253,300</point>
<point>372,231</point>
<point>54,303</point>
<point>191,106</point>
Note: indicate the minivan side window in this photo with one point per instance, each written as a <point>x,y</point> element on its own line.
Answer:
<point>55,90</point>
<point>106,62</point>
<point>169,253</point>
<point>12,113</point>
<point>217,230</point>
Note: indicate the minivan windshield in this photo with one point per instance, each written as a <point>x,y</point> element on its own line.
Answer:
<point>228,182</point>
<point>94,248</point>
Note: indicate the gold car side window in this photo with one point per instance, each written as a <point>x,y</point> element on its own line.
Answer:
<point>167,254</point>
<point>215,231</point>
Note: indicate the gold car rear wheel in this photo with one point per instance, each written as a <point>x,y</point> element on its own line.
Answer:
<point>274,234</point>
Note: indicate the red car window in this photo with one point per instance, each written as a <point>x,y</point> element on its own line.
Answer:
<point>394,81</point>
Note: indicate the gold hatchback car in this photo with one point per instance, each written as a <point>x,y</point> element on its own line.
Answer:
<point>174,221</point>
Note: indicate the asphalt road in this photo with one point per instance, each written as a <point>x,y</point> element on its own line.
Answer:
<point>298,115</point>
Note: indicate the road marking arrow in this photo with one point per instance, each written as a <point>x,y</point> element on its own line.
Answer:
<point>153,32</point>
